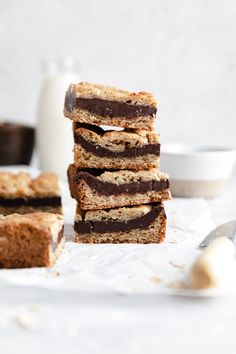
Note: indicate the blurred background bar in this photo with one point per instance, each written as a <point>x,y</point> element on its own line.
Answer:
<point>16,144</point>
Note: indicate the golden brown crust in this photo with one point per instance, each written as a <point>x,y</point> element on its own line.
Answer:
<point>89,199</point>
<point>30,240</point>
<point>40,220</point>
<point>117,214</point>
<point>155,233</point>
<point>46,184</point>
<point>115,140</point>
<point>90,90</point>
<point>127,176</point>
<point>21,185</point>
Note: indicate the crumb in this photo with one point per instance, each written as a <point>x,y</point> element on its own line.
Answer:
<point>178,284</point>
<point>25,321</point>
<point>174,241</point>
<point>52,274</point>
<point>156,279</point>
<point>177,265</point>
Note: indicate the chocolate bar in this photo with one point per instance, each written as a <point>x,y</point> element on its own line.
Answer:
<point>139,224</point>
<point>112,149</point>
<point>98,189</point>
<point>105,105</point>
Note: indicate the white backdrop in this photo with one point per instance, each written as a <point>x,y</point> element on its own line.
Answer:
<point>184,51</point>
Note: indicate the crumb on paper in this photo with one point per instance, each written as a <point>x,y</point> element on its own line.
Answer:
<point>178,265</point>
<point>52,274</point>
<point>156,279</point>
<point>178,284</point>
<point>25,321</point>
<point>174,241</point>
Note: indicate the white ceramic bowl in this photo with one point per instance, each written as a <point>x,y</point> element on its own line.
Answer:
<point>197,171</point>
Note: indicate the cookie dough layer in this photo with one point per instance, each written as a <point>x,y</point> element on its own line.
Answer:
<point>112,149</point>
<point>142,224</point>
<point>104,105</point>
<point>30,240</point>
<point>19,193</point>
<point>94,189</point>
<point>26,209</point>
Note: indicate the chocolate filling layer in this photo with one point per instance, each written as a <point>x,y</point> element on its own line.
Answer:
<point>153,149</point>
<point>37,202</point>
<point>107,108</point>
<point>142,222</point>
<point>109,188</point>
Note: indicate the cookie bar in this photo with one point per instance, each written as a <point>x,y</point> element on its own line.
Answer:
<point>21,194</point>
<point>30,240</point>
<point>98,189</point>
<point>112,149</point>
<point>105,105</point>
<point>140,224</point>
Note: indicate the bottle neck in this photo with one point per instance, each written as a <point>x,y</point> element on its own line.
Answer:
<point>56,67</point>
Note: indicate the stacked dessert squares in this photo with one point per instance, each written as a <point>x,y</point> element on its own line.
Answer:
<point>115,176</point>
<point>31,224</point>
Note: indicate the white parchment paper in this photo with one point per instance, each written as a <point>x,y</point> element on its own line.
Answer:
<point>124,268</point>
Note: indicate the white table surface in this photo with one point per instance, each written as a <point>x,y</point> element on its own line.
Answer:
<point>41,320</point>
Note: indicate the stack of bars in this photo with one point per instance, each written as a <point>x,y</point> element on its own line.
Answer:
<point>115,177</point>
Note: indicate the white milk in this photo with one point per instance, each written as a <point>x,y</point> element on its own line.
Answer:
<point>54,131</point>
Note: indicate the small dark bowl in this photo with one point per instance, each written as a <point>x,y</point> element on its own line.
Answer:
<point>16,144</point>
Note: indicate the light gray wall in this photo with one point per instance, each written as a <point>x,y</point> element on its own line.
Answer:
<point>184,51</point>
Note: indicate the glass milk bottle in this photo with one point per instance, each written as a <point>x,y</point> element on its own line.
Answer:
<point>54,131</point>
